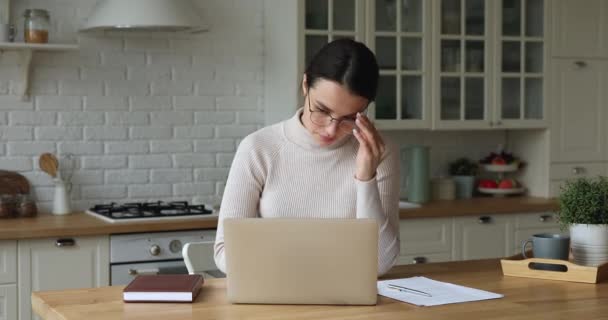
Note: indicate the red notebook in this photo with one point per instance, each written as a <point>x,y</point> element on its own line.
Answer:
<point>163,288</point>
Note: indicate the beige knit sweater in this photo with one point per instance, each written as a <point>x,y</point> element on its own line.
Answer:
<point>280,171</point>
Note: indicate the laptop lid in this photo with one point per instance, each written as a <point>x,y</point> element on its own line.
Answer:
<point>301,261</point>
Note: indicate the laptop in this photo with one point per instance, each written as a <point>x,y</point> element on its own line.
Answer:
<point>301,261</point>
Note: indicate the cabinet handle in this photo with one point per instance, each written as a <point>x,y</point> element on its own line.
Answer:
<point>545,218</point>
<point>134,272</point>
<point>498,123</point>
<point>578,170</point>
<point>419,260</point>
<point>491,123</point>
<point>580,64</point>
<point>485,220</point>
<point>65,242</point>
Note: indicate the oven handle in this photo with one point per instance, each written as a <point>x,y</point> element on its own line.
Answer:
<point>135,272</point>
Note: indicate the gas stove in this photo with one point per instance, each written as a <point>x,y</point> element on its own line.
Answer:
<point>146,211</point>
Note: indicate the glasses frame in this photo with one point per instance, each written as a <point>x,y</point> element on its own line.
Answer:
<point>332,119</point>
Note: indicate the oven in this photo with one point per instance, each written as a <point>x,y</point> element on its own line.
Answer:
<point>157,253</point>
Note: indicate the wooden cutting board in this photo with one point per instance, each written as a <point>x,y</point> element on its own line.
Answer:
<point>13,183</point>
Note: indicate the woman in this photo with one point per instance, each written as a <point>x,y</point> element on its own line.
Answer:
<point>328,161</point>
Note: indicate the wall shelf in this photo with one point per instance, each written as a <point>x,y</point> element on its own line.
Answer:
<point>27,50</point>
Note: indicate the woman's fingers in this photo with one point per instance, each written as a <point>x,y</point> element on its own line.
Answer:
<point>363,143</point>
<point>372,135</point>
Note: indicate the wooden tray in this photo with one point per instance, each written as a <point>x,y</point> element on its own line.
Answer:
<point>516,266</point>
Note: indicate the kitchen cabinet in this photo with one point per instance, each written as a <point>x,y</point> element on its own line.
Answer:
<point>482,237</point>
<point>8,261</point>
<point>580,28</point>
<point>52,264</point>
<point>578,131</point>
<point>425,240</point>
<point>8,302</point>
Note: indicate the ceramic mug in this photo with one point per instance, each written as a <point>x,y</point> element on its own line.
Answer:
<point>548,246</point>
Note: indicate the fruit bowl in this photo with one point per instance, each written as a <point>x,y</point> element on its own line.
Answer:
<point>501,167</point>
<point>501,191</point>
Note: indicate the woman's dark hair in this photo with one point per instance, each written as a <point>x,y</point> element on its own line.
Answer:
<point>347,62</point>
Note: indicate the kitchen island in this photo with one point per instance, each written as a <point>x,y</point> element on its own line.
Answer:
<point>524,299</point>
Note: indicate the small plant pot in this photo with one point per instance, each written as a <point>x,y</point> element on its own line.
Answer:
<point>464,186</point>
<point>589,244</point>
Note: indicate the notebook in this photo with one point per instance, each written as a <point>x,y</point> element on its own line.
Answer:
<point>423,291</point>
<point>163,288</point>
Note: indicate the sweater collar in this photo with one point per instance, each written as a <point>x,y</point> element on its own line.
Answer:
<point>296,132</point>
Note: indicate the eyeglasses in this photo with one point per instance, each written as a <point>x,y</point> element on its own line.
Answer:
<point>324,119</point>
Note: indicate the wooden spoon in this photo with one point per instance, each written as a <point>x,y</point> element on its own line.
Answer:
<point>49,164</point>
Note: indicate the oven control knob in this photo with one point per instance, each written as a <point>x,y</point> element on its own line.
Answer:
<point>175,246</point>
<point>155,250</point>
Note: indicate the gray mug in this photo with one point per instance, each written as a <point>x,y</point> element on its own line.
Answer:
<point>548,246</point>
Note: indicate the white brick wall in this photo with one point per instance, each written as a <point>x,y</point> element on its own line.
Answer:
<point>150,116</point>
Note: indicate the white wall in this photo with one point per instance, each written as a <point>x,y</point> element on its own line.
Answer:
<point>147,116</point>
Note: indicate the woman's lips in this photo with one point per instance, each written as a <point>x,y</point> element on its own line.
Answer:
<point>327,140</point>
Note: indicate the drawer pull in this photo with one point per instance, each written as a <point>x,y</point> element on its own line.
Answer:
<point>65,242</point>
<point>485,220</point>
<point>419,260</point>
<point>545,218</point>
<point>581,64</point>
<point>578,170</point>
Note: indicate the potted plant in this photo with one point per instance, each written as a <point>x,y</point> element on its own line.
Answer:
<point>463,171</point>
<point>583,208</point>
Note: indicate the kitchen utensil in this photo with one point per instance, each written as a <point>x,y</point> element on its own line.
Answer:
<point>13,183</point>
<point>49,164</point>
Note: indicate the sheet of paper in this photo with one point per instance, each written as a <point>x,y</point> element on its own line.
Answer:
<point>441,292</point>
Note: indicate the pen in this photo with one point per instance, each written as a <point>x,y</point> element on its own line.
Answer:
<point>410,290</point>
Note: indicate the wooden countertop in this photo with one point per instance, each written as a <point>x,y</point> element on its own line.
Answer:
<point>524,299</point>
<point>80,224</point>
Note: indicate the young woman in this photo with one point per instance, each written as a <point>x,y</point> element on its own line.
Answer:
<point>327,161</point>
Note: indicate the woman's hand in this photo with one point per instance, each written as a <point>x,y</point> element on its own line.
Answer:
<point>371,148</point>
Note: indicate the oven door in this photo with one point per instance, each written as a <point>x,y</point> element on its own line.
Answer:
<point>123,273</point>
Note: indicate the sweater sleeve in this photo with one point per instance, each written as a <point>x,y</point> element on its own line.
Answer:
<point>242,193</point>
<point>378,199</point>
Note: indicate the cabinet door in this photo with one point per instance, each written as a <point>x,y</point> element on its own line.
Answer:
<point>482,237</point>
<point>528,224</point>
<point>8,302</point>
<point>54,264</point>
<point>580,28</point>
<point>520,72</point>
<point>8,261</point>
<point>399,33</point>
<point>462,64</point>
<point>578,124</point>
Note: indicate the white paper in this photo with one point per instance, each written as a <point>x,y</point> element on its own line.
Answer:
<point>441,292</point>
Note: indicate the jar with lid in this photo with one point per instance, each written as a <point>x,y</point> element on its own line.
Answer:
<point>26,206</point>
<point>36,26</point>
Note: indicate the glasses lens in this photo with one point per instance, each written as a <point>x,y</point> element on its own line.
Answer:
<point>347,125</point>
<point>320,118</point>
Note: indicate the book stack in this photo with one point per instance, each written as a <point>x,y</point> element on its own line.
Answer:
<point>163,288</point>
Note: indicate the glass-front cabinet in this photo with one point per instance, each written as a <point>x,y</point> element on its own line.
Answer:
<point>399,34</point>
<point>521,53</point>
<point>444,64</point>
<point>461,64</point>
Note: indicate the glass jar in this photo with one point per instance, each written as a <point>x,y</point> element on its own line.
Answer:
<point>26,207</point>
<point>8,207</point>
<point>36,26</point>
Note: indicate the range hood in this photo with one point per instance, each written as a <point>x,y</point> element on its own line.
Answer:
<point>145,16</point>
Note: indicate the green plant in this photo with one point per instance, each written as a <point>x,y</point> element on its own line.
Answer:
<point>463,167</point>
<point>583,201</point>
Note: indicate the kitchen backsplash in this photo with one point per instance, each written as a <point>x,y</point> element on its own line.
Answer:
<point>152,117</point>
<point>147,116</point>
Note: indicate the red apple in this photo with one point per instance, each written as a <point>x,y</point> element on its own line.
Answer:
<point>487,183</point>
<point>507,184</point>
<point>499,160</point>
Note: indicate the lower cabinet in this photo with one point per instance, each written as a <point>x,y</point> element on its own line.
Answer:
<point>8,301</point>
<point>60,263</point>
<point>425,240</point>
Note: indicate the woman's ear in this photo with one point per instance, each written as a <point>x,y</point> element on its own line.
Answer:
<point>304,86</point>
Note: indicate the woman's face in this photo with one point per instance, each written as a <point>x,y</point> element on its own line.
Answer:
<point>328,98</point>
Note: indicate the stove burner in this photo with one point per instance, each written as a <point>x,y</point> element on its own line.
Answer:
<point>156,209</point>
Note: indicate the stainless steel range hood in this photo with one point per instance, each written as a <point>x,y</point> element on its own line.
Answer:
<point>145,16</point>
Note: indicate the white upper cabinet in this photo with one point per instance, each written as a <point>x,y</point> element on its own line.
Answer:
<point>578,120</point>
<point>399,34</point>
<point>580,28</point>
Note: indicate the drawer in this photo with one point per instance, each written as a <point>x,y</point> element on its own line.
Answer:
<point>424,258</point>
<point>425,235</point>
<point>8,261</point>
<point>562,171</point>
<point>8,302</point>
<point>536,220</point>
